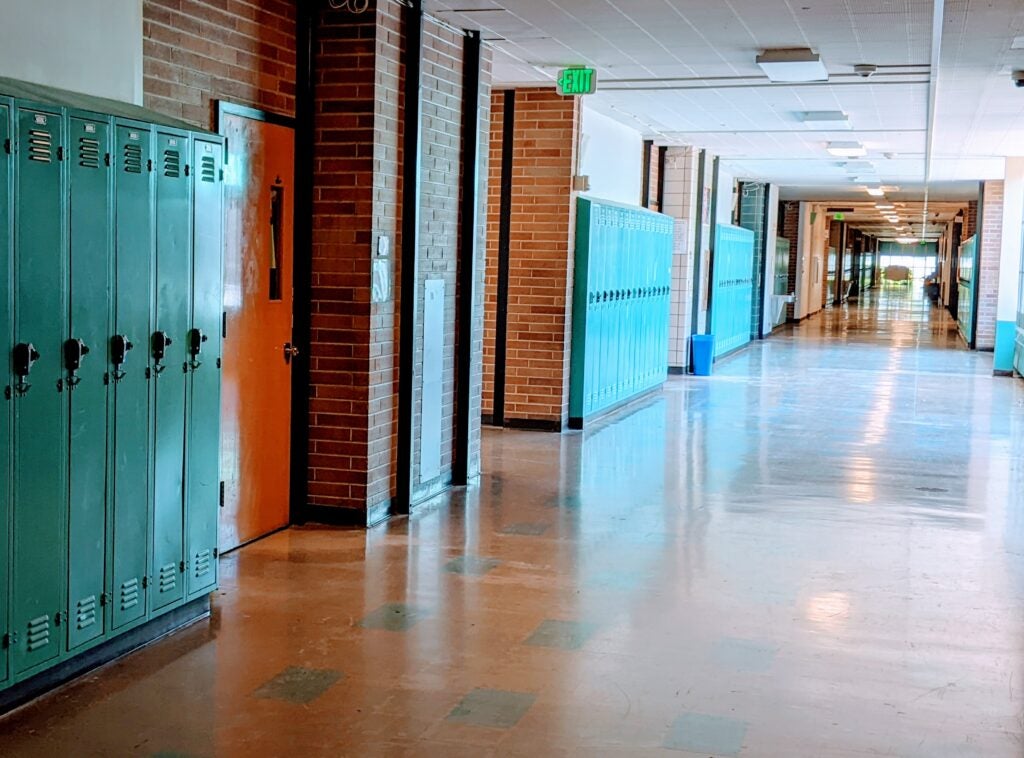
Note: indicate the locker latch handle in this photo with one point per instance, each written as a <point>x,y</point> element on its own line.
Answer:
<point>119,347</point>
<point>74,351</point>
<point>196,338</point>
<point>24,355</point>
<point>160,342</point>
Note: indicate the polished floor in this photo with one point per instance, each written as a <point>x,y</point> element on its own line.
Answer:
<point>818,551</point>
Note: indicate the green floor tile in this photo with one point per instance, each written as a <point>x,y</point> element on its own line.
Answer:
<point>298,685</point>
<point>527,529</point>
<point>701,733</point>
<point>394,617</point>
<point>471,565</point>
<point>566,635</point>
<point>743,655</point>
<point>492,708</point>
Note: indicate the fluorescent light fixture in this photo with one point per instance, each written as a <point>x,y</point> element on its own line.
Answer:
<point>846,149</point>
<point>826,120</point>
<point>795,64</point>
<point>907,240</point>
<point>885,206</point>
<point>875,191</point>
<point>859,167</point>
<point>1018,43</point>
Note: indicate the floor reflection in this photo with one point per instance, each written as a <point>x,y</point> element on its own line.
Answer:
<point>817,551</point>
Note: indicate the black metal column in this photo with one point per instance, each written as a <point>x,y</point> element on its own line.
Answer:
<point>412,23</point>
<point>504,247</point>
<point>467,253</point>
<point>711,245</point>
<point>303,260</point>
<point>645,190</point>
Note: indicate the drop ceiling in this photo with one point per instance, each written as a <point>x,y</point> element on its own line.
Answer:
<point>684,72</point>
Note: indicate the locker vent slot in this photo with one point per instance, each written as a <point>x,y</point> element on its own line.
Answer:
<point>172,164</point>
<point>203,563</point>
<point>168,577</point>
<point>40,146</point>
<point>38,633</point>
<point>133,158</point>
<point>88,152</point>
<point>85,613</point>
<point>129,594</point>
<point>208,169</point>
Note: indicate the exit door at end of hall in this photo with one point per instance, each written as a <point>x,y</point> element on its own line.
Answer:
<point>258,350</point>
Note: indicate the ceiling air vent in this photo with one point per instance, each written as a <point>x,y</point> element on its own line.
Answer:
<point>208,169</point>
<point>133,158</point>
<point>172,164</point>
<point>88,152</point>
<point>40,146</point>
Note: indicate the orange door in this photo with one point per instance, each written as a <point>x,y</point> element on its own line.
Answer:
<point>256,406</point>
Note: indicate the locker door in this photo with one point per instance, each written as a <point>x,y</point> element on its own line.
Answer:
<point>170,368</point>
<point>133,273</point>
<point>6,195</point>
<point>204,413</point>
<point>40,323</point>
<point>85,366</point>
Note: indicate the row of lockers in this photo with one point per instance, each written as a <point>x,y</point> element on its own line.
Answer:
<point>110,310</point>
<point>620,316</point>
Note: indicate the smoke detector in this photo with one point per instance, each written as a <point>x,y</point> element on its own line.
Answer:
<point>865,70</point>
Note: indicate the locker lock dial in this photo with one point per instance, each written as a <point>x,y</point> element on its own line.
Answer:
<point>119,347</point>
<point>24,355</point>
<point>74,351</point>
<point>196,338</point>
<point>160,343</point>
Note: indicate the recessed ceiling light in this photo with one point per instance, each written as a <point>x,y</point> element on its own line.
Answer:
<point>846,149</point>
<point>1018,43</point>
<point>884,206</point>
<point>875,191</point>
<point>798,64</point>
<point>826,120</point>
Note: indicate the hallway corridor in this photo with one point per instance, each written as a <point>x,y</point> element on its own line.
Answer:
<point>818,551</point>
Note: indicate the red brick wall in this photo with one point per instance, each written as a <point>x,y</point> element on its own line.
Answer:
<point>989,251</point>
<point>198,51</point>
<point>540,270</point>
<point>356,178</point>
<point>970,220</point>
<point>791,231</point>
<point>652,187</point>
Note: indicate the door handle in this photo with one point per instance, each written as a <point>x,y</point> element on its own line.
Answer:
<point>159,343</point>
<point>24,355</point>
<point>74,351</point>
<point>290,351</point>
<point>196,338</point>
<point>119,347</point>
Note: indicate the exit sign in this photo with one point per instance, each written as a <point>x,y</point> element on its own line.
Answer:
<point>577,81</point>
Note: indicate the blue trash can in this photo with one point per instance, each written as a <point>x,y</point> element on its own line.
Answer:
<point>703,354</point>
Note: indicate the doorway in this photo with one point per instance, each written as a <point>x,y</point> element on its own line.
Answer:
<point>258,307</point>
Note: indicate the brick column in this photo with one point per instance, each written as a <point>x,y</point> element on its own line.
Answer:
<point>681,203</point>
<point>359,124</point>
<point>791,231</point>
<point>990,248</point>
<point>541,251</point>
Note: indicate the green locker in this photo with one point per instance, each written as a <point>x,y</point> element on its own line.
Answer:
<point>38,562</point>
<point>85,366</point>
<point>170,367</point>
<point>133,191</point>
<point>6,196</point>
<point>203,488</point>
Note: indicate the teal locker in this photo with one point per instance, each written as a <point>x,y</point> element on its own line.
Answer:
<point>170,369</point>
<point>133,272</point>
<point>6,196</point>
<point>85,366</point>
<point>38,563</point>
<point>203,491</point>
